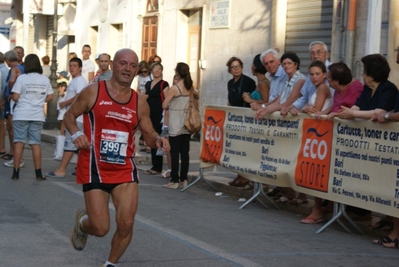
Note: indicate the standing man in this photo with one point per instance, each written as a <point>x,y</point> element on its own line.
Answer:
<point>276,75</point>
<point>74,88</point>
<point>317,51</point>
<point>106,165</point>
<point>105,73</point>
<point>3,73</point>
<point>20,54</point>
<point>88,65</point>
<point>16,69</point>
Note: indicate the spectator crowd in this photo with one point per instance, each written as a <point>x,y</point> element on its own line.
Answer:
<point>279,86</point>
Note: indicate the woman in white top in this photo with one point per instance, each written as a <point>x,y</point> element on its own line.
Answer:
<point>322,98</point>
<point>30,91</point>
<point>177,99</point>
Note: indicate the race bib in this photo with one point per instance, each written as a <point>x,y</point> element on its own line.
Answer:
<point>113,146</point>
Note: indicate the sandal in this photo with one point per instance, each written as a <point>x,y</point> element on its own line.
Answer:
<point>383,240</point>
<point>241,182</point>
<point>7,157</point>
<point>311,220</point>
<point>232,183</point>
<point>249,186</point>
<point>298,201</point>
<point>393,244</point>
<point>151,172</point>
<point>283,199</point>
<point>165,174</point>
<point>381,224</point>
<point>274,192</point>
<point>388,227</point>
<point>278,195</point>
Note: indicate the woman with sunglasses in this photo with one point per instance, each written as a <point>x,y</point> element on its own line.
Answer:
<point>144,76</point>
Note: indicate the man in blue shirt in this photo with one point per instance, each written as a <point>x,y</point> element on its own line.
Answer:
<point>317,51</point>
<point>276,75</point>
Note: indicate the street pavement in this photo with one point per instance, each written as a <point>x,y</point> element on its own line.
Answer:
<point>172,228</point>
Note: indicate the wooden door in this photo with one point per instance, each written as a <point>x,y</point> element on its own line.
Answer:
<point>150,36</point>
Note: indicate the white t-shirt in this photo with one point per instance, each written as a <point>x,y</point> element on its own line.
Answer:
<point>61,111</point>
<point>33,89</point>
<point>87,66</point>
<point>142,82</point>
<point>75,87</point>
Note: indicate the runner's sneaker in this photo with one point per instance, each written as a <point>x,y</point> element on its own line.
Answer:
<point>78,237</point>
<point>10,163</point>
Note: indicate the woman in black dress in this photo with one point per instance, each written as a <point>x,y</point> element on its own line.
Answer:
<point>154,93</point>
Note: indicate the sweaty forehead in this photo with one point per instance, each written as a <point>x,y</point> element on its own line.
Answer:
<point>126,55</point>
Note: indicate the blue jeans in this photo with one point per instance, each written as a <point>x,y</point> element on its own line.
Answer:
<point>32,129</point>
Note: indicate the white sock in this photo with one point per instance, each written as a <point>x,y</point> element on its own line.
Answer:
<point>107,262</point>
<point>81,221</point>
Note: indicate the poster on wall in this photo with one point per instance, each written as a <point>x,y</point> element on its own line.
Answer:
<point>220,14</point>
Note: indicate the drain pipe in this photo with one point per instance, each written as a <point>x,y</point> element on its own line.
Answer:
<point>350,34</point>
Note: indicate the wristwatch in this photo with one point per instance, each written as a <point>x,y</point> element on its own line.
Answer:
<point>386,116</point>
<point>263,106</point>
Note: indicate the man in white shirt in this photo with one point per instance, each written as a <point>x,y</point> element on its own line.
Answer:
<point>87,65</point>
<point>74,88</point>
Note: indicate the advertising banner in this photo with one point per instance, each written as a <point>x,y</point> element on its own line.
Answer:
<point>354,162</point>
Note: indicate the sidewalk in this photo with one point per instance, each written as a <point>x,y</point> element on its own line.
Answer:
<point>219,178</point>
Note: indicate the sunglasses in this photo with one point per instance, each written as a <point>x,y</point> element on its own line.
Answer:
<point>143,72</point>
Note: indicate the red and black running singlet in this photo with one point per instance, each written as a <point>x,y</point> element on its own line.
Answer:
<point>110,127</point>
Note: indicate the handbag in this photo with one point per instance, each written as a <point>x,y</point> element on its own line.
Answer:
<point>59,147</point>
<point>193,118</point>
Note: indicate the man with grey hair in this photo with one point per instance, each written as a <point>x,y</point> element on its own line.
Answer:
<point>275,73</point>
<point>317,51</point>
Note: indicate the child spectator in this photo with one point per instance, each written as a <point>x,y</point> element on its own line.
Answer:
<point>61,86</point>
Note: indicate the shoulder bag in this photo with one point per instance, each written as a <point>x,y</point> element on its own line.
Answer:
<point>193,117</point>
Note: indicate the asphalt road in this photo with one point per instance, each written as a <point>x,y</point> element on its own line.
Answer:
<point>172,228</point>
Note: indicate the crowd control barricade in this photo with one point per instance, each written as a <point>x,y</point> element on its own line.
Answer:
<point>350,162</point>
